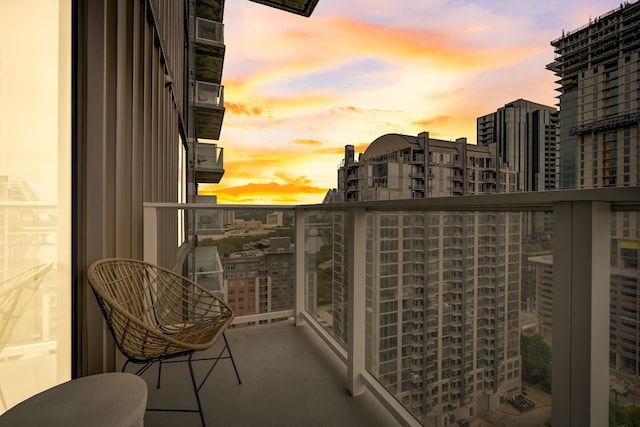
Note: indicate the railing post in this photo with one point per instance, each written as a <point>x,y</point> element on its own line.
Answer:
<point>581,294</point>
<point>150,234</point>
<point>300,266</point>
<point>356,276</point>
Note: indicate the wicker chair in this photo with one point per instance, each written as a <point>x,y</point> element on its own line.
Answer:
<point>155,314</point>
<point>15,293</point>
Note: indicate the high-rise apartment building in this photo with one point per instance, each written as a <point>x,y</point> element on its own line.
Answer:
<point>261,279</point>
<point>442,288</point>
<point>407,167</point>
<point>598,69</point>
<point>525,136</point>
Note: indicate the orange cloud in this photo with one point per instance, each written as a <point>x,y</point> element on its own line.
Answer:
<point>268,193</point>
<point>440,52</point>
<point>351,38</point>
<point>283,188</point>
<point>339,151</point>
<point>359,110</point>
<point>360,148</point>
<point>250,164</point>
<point>250,98</point>
<point>243,109</point>
<point>436,121</point>
<point>461,126</point>
<point>306,142</point>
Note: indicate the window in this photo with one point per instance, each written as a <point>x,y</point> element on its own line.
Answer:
<point>41,341</point>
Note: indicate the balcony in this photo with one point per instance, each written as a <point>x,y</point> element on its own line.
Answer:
<point>299,367</point>
<point>208,109</point>
<point>209,50</point>
<point>209,163</point>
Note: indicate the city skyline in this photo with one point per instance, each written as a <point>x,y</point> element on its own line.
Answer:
<point>352,73</point>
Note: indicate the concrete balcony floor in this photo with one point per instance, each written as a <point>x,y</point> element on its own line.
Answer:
<point>289,378</point>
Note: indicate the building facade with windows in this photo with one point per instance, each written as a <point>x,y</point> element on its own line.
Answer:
<point>261,279</point>
<point>398,166</point>
<point>598,70</point>
<point>442,288</point>
<point>524,134</point>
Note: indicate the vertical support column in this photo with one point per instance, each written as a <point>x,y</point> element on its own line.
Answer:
<point>150,235</point>
<point>581,294</point>
<point>90,171</point>
<point>301,265</point>
<point>356,271</point>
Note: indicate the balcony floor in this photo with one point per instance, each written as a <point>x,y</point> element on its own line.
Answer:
<point>289,378</point>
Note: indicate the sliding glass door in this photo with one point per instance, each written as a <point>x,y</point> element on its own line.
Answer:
<point>35,197</point>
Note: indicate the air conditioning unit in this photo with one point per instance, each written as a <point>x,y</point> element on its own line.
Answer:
<point>209,32</point>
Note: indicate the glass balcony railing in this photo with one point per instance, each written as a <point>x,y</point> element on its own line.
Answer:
<point>209,164</point>
<point>246,254</point>
<point>624,327</point>
<point>210,33</point>
<point>451,311</point>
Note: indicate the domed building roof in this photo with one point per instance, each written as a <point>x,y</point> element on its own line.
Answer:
<point>388,143</point>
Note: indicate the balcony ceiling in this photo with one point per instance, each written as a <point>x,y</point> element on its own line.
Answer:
<point>208,122</point>
<point>209,67</point>
<point>209,176</point>
<point>299,7</point>
<point>210,9</point>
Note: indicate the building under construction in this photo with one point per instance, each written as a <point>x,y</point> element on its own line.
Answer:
<point>598,67</point>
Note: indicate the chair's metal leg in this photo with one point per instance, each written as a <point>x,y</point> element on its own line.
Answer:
<point>195,390</point>
<point>213,365</point>
<point>141,370</point>
<point>226,343</point>
<point>159,373</point>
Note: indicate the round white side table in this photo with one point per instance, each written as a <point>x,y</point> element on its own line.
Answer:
<point>104,400</point>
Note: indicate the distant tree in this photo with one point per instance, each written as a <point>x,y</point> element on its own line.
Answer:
<point>624,416</point>
<point>536,361</point>
<point>324,275</point>
<point>324,286</point>
<point>529,247</point>
<point>325,253</point>
<point>228,245</point>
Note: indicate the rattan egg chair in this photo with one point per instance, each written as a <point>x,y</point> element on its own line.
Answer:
<point>155,314</point>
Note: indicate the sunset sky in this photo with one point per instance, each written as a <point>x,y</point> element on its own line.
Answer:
<point>297,90</point>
